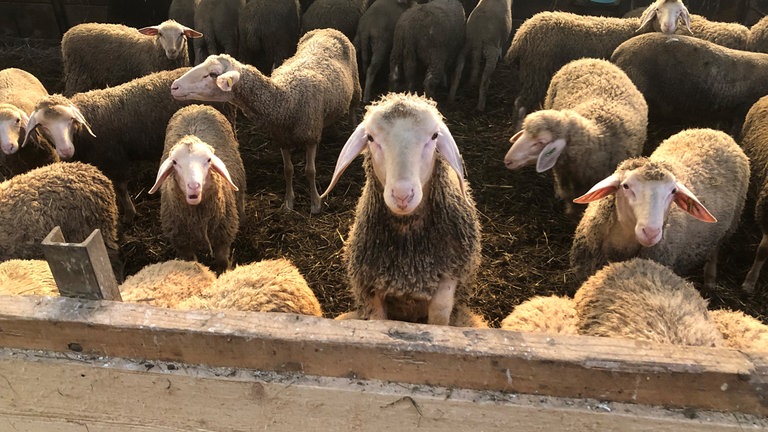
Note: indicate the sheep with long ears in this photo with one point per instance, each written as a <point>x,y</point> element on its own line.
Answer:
<point>665,14</point>
<point>58,121</point>
<point>414,246</point>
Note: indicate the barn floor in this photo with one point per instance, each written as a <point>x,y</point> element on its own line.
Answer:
<point>526,235</point>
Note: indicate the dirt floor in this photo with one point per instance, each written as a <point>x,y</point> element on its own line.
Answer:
<point>526,236</point>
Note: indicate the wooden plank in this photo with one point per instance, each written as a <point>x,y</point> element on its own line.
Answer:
<point>481,359</point>
<point>43,392</point>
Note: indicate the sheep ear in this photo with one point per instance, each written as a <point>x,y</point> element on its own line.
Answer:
<point>549,154</point>
<point>648,15</point>
<point>686,18</point>
<point>78,116</point>
<point>32,123</point>
<point>446,145</point>
<point>192,33</point>
<point>686,200</point>
<point>353,147</point>
<point>516,136</point>
<point>218,166</point>
<point>24,119</point>
<point>602,189</point>
<point>149,31</point>
<point>166,168</point>
<point>227,80</point>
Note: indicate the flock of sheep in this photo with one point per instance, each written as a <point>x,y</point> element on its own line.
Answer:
<point>589,88</point>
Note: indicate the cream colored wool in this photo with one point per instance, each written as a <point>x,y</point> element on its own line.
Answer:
<point>741,331</point>
<point>167,284</point>
<point>550,314</point>
<point>27,277</point>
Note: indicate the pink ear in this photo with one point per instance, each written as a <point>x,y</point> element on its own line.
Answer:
<point>191,33</point>
<point>686,200</point>
<point>605,187</point>
<point>648,15</point>
<point>549,154</point>
<point>218,166</point>
<point>227,80</point>
<point>516,136</point>
<point>353,147</point>
<point>446,145</point>
<point>166,168</point>
<point>686,19</point>
<point>32,123</point>
<point>149,31</point>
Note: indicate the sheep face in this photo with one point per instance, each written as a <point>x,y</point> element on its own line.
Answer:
<point>667,14</point>
<point>211,80</point>
<point>12,120</point>
<point>60,121</point>
<point>191,160</point>
<point>643,197</point>
<point>171,36</point>
<point>540,142</point>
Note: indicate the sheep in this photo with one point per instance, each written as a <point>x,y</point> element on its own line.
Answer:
<point>545,314</point>
<point>691,81</point>
<point>462,316</point>
<point>342,15</point>
<point>200,210</point>
<point>167,284</point>
<point>642,299</point>
<point>487,32</point>
<point>429,35</point>
<point>414,245</point>
<point>19,91</point>
<point>27,277</point>
<point>308,92</point>
<point>740,331</point>
<point>217,20</point>
<point>125,125</point>
<point>77,197</point>
<point>692,168</point>
<point>373,40</point>
<point>183,12</point>
<point>269,32</point>
<point>274,285</point>
<point>593,116</point>
<point>757,39</point>
<point>97,55</point>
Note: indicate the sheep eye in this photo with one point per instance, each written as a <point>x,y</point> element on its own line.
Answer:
<point>434,136</point>
<point>18,121</point>
<point>213,75</point>
<point>209,160</point>
<point>674,191</point>
<point>370,138</point>
<point>174,161</point>
<point>625,186</point>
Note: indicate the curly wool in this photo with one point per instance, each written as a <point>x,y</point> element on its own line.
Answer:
<point>741,331</point>
<point>167,284</point>
<point>27,277</point>
<point>550,314</point>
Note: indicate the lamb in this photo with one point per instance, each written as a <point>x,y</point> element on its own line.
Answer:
<point>427,36</point>
<point>691,81</point>
<point>691,168</point>
<point>274,285</point>
<point>545,314</point>
<point>741,331</point>
<point>200,210</point>
<point>167,284</point>
<point>593,116</point>
<point>462,316</point>
<point>373,40</point>
<point>217,21</point>
<point>269,32</point>
<point>27,277</point>
<point>342,15</point>
<point>74,196</point>
<point>308,92</point>
<point>19,91</point>
<point>642,299</point>
<point>414,245</point>
<point>97,55</point>
<point>125,125</point>
<point>487,32</point>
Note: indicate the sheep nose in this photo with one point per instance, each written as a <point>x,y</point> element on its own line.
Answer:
<point>651,233</point>
<point>193,186</point>
<point>402,195</point>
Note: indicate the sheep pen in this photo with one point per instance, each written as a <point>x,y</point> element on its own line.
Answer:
<point>526,238</point>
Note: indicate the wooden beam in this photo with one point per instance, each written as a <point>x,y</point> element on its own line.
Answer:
<point>478,359</point>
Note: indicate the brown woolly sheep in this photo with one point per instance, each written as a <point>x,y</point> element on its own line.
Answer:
<point>550,314</point>
<point>27,277</point>
<point>167,284</point>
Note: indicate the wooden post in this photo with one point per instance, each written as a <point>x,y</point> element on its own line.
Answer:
<point>81,270</point>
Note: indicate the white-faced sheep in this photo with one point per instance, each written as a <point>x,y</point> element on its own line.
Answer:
<point>427,37</point>
<point>27,277</point>
<point>593,118</point>
<point>414,245</point>
<point>203,184</point>
<point>309,91</point>
<point>217,20</point>
<point>74,196</point>
<point>167,284</point>
<point>266,286</point>
<point>741,331</point>
<point>113,128</point>
<point>642,299</point>
<point>19,92</point>
<point>487,32</point>
<point>551,314</point>
<point>373,40</point>
<point>462,316</point>
<point>691,81</point>
<point>183,12</point>
<point>342,15</point>
<point>630,212</point>
<point>269,32</point>
<point>97,55</point>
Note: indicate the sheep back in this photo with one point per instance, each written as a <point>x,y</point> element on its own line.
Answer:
<point>20,89</point>
<point>342,15</point>
<point>550,314</point>
<point>728,34</point>
<point>217,20</point>
<point>757,38</point>
<point>741,331</point>
<point>167,284</point>
<point>404,257</point>
<point>642,299</point>
<point>268,32</point>
<point>27,277</point>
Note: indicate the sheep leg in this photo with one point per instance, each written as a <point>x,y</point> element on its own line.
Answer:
<point>124,198</point>
<point>379,57</point>
<point>378,307</point>
<point>221,259</point>
<point>754,273</point>
<point>491,59</point>
<point>310,172</point>
<point>474,71</point>
<point>710,268</point>
<point>288,174</point>
<point>457,76</point>
<point>441,304</point>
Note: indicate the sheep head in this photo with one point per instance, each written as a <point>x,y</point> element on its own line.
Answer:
<point>60,118</point>
<point>191,160</point>
<point>12,121</point>
<point>401,132</point>
<point>667,13</point>
<point>540,141</point>
<point>644,191</point>
<point>171,36</point>
<point>210,81</point>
